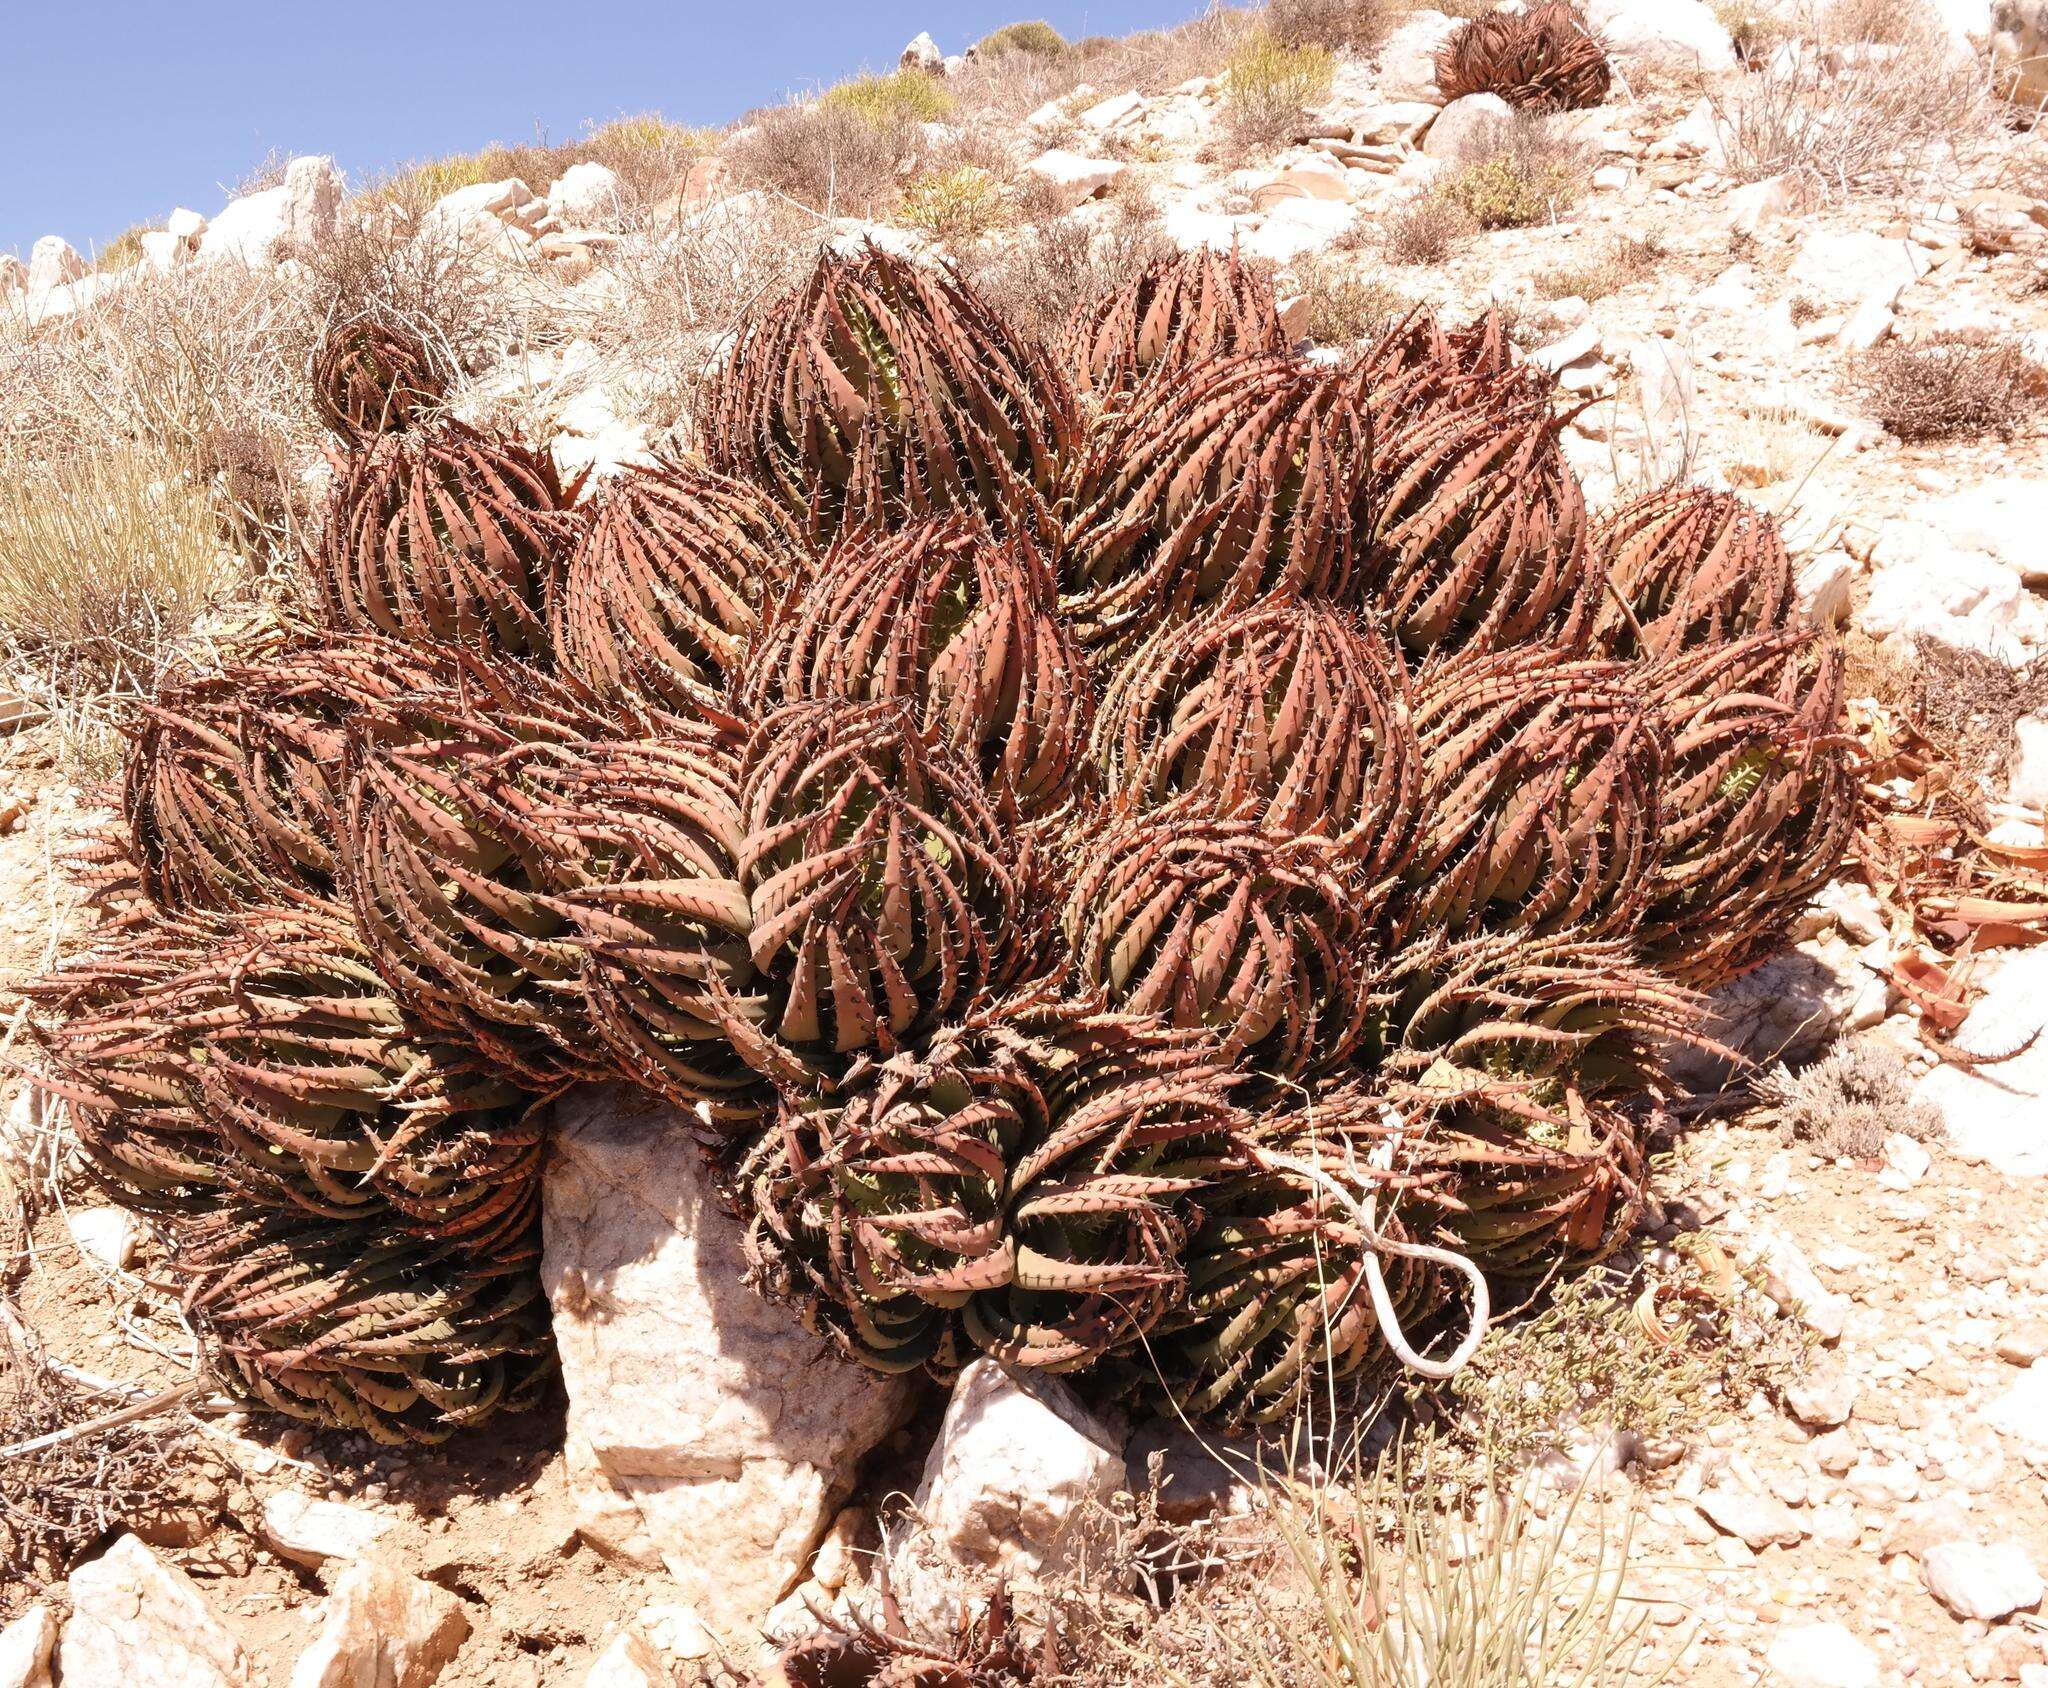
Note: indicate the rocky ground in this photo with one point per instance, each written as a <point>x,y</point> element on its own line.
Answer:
<point>1878,1515</point>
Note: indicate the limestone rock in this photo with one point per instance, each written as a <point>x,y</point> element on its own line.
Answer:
<point>2002,518</point>
<point>646,1652</point>
<point>1822,1400</point>
<point>707,1431</point>
<point>1756,1520</point>
<point>1822,1656</point>
<point>1467,131</point>
<point>311,1532</point>
<point>1923,587</point>
<point>1789,1009</point>
<point>1407,58</point>
<point>1682,34</point>
<point>184,224</point>
<point>382,1628</point>
<point>1118,112</point>
<point>25,1648</point>
<point>1008,1484</point>
<point>1790,1280</point>
<point>1993,1112</point>
<point>1849,266</point>
<point>53,262</point>
<point>922,54</point>
<point>1071,177</point>
<point>139,1623</point>
<point>107,1234</point>
<point>1756,205</point>
<point>1976,1581</point>
<point>586,195</point>
<point>298,214</point>
<point>1295,226</point>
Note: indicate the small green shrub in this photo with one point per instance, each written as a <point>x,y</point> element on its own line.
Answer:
<point>957,204</point>
<point>1345,303</point>
<point>1269,86</point>
<point>1512,190</point>
<point>1036,38</point>
<point>887,102</point>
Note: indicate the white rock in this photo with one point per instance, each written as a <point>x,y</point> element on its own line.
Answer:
<point>500,199</point>
<point>1853,266</point>
<point>1791,1282</point>
<point>628,1660</point>
<point>1703,133</point>
<point>382,1627</point>
<point>922,53</point>
<point>1679,33</point>
<point>1384,123</point>
<point>2004,518</point>
<point>1822,1400</point>
<point>1869,324</point>
<point>260,228</point>
<point>707,1432</point>
<point>25,1647</point>
<point>13,276</point>
<point>1583,341</point>
<point>163,251</point>
<point>52,262</point>
<point>586,195</point>
<point>1057,114</point>
<point>311,1532</point>
<point>1467,131</point>
<point>1191,228</point>
<point>1407,57</point>
<point>1821,1656</point>
<point>1017,1463</point>
<point>1788,1009</point>
<point>1824,587</point>
<point>183,224</point>
<point>1977,1581</point>
<point>1921,588</point>
<point>1994,1113</point>
<point>139,1623</point>
<point>1296,226</point>
<point>1757,1520</point>
<point>1756,205</point>
<point>1119,111</point>
<point>106,1234</point>
<point>1072,177</point>
<point>1613,178</point>
<point>2021,1409</point>
<point>2027,768</point>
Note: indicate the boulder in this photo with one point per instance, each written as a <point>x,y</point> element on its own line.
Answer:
<point>1993,1112</point>
<point>1754,206</point>
<point>25,1647</point>
<point>1984,1582</point>
<point>1302,182</point>
<point>382,1627</point>
<point>139,1623</point>
<point>52,262</point>
<point>922,54</point>
<point>297,215</point>
<point>1071,177</point>
<point>1789,1009</point>
<point>1119,111</point>
<point>1295,226</point>
<point>163,251</point>
<point>2003,518</point>
<point>1467,131</point>
<point>1407,57</point>
<point>1756,1520</point>
<point>185,225</point>
<point>1922,587</point>
<point>586,195</point>
<point>1850,266</point>
<point>311,1532</point>
<point>1008,1486</point>
<point>708,1432</point>
<point>1679,34</point>
<point>1821,1656</point>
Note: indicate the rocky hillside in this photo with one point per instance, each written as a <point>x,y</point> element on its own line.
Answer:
<point>1798,255</point>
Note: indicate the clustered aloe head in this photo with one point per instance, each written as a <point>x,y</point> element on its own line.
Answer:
<point>1111,850</point>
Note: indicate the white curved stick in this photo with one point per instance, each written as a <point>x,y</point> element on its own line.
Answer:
<point>1376,1281</point>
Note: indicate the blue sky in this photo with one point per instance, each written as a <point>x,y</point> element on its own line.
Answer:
<point>114,112</point>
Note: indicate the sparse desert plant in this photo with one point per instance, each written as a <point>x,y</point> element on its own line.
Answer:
<point>1850,1100</point>
<point>649,154</point>
<point>888,102</point>
<point>1532,177</point>
<point>1269,86</point>
<point>840,160</point>
<point>1949,386</point>
<point>1545,59</point>
<point>1344,302</point>
<point>1040,276</point>
<point>960,203</point>
<point>1425,228</point>
<point>1335,24</point>
<point>1628,259</point>
<point>1036,38</point>
<point>109,563</point>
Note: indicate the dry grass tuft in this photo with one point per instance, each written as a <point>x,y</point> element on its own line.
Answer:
<point>1356,25</point>
<point>1948,387</point>
<point>835,161</point>
<point>1626,261</point>
<point>1425,228</point>
<point>1850,1101</point>
<point>1269,87</point>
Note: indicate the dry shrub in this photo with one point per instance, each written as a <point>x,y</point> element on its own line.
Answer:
<point>414,187</point>
<point>681,290</point>
<point>649,154</point>
<point>1878,119</point>
<point>963,202</point>
<point>1535,174</point>
<point>1037,276</point>
<point>1948,387</point>
<point>1627,260</point>
<point>835,161</point>
<point>1850,1101</point>
<point>1336,24</point>
<point>1345,303</point>
<point>1270,86</point>
<point>1425,228</point>
<point>1965,702</point>
<point>1036,38</point>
